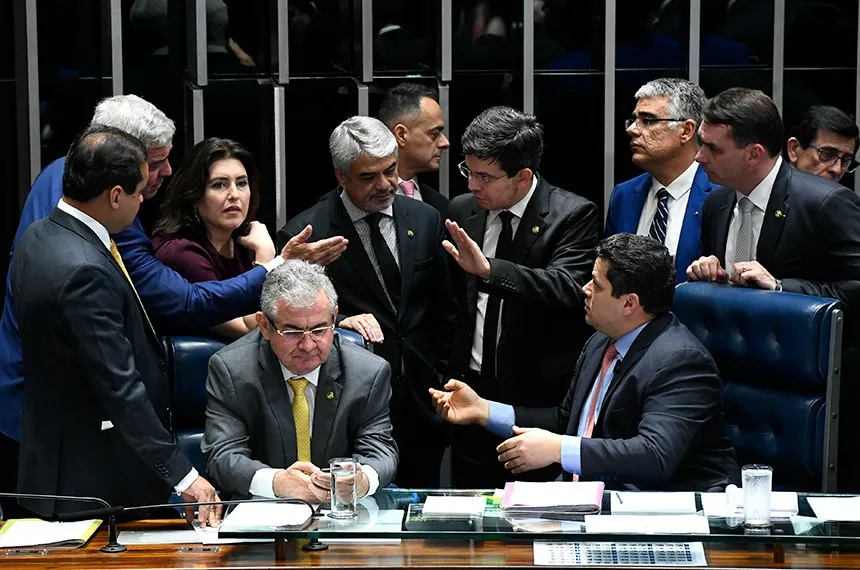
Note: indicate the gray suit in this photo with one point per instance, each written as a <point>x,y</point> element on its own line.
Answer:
<point>249,417</point>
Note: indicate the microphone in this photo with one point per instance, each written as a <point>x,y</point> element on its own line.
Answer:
<point>112,545</point>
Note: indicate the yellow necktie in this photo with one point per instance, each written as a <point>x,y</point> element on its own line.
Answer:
<point>301,416</point>
<point>115,253</point>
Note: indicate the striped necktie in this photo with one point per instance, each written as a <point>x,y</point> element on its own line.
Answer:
<point>661,216</point>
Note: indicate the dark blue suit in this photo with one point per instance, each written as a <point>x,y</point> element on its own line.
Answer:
<point>628,200</point>
<point>168,297</point>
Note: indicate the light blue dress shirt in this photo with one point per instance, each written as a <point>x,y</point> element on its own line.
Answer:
<point>503,418</point>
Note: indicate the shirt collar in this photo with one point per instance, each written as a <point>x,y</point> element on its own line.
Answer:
<point>519,208</point>
<point>681,185</point>
<point>761,193</point>
<point>313,377</point>
<point>623,344</point>
<point>97,227</point>
<point>413,180</point>
<point>356,213</point>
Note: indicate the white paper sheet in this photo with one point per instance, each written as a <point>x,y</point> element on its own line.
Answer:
<point>264,516</point>
<point>454,506</point>
<point>629,502</point>
<point>783,504</point>
<point>835,508</point>
<point>646,524</point>
<point>34,532</point>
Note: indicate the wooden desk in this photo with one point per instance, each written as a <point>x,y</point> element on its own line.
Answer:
<point>449,555</point>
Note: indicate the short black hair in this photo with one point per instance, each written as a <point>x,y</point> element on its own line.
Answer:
<point>100,158</point>
<point>751,115</point>
<point>404,100</point>
<point>827,118</point>
<point>506,137</point>
<point>641,265</point>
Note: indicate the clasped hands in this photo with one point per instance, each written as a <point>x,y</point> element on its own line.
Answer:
<point>304,480</point>
<point>530,448</point>
<point>744,273</point>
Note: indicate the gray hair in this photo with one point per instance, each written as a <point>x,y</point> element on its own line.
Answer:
<point>360,135</point>
<point>298,284</point>
<point>137,117</point>
<point>686,100</point>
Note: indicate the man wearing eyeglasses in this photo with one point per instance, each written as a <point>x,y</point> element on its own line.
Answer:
<point>665,202</point>
<point>523,249</point>
<point>290,396</point>
<point>824,143</point>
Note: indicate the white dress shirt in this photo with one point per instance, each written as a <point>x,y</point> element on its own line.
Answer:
<point>491,240</point>
<point>262,483</point>
<point>759,197</point>
<point>104,237</point>
<point>414,180</point>
<point>679,195</point>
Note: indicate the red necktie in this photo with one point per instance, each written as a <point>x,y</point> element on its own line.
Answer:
<point>608,357</point>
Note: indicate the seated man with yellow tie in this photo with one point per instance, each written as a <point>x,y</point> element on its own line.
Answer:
<point>644,410</point>
<point>289,396</point>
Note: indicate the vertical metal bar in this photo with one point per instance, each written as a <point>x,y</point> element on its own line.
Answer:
<point>196,115</point>
<point>363,100</point>
<point>366,41</point>
<point>283,28</point>
<point>778,52</point>
<point>116,69</point>
<point>609,104</point>
<point>447,38</point>
<point>445,163</point>
<point>830,467</point>
<point>529,56</point>
<point>197,56</point>
<point>27,96</point>
<point>280,156</point>
<point>857,96</point>
<point>695,56</point>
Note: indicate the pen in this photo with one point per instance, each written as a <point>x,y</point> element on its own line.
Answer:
<point>618,496</point>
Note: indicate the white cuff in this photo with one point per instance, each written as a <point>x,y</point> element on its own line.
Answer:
<point>276,261</point>
<point>186,482</point>
<point>263,483</point>
<point>372,479</point>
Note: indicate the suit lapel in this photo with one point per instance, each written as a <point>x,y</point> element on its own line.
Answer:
<point>771,227</point>
<point>329,391</point>
<point>689,244</point>
<point>721,223</point>
<point>532,223</point>
<point>630,218</point>
<point>405,249</point>
<point>278,397</point>
<point>475,225</point>
<point>584,383</point>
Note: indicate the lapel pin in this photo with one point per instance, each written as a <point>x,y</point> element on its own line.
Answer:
<point>535,230</point>
<point>696,213</point>
<point>330,396</point>
<point>410,233</point>
<point>779,214</point>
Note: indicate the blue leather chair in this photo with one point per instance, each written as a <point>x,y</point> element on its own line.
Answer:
<point>779,360</point>
<point>187,363</point>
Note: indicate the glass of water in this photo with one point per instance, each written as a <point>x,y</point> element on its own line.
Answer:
<point>343,499</point>
<point>757,482</point>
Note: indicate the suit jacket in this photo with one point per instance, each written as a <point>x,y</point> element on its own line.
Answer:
<point>418,334</point>
<point>543,326</point>
<point>249,417</point>
<point>432,197</point>
<point>170,299</point>
<point>628,200</point>
<point>89,356</point>
<point>810,236</point>
<point>661,425</point>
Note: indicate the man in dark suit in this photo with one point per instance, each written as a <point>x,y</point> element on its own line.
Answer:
<point>96,400</point>
<point>260,439</point>
<point>392,281</point>
<point>522,250</point>
<point>771,226</point>
<point>412,113</point>
<point>824,142</point>
<point>666,201</point>
<point>644,410</point>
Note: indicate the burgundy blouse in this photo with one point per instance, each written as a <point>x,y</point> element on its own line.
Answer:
<point>199,260</point>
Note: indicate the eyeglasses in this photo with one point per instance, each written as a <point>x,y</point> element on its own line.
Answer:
<point>829,155</point>
<point>484,178</point>
<point>647,122</point>
<point>296,335</point>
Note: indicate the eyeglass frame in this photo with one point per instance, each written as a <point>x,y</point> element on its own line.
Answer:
<point>320,330</point>
<point>648,122</point>
<point>847,168</point>
<point>466,173</point>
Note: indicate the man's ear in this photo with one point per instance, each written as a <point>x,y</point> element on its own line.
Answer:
<point>400,131</point>
<point>631,303</point>
<point>756,152</point>
<point>114,195</point>
<point>334,315</point>
<point>524,177</point>
<point>793,145</point>
<point>688,131</point>
<point>263,324</point>
<point>341,177</point>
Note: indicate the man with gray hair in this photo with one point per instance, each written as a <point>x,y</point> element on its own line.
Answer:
<point>289,396</point>
<point>393,283</point>
<point>665,202</point>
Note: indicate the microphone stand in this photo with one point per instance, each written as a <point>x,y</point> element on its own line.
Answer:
<point>112,546</point>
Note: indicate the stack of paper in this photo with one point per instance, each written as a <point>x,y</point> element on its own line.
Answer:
<point>783,504</point>
<point>260,516</point>
<point>17,533</point>
<point>835,508</point>
<point>653,503</point>
<point>639,524</point>
<point>449,506</point>
<point>555,497</point>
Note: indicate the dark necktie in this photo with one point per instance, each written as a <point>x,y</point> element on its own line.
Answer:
<point>661,216</point>
<point>494,303</point>
<point>385,259</point>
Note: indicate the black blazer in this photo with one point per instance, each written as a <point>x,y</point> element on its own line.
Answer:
<point>432,197</point>
<point>419,333</point>
<point>810,237</point>
<point>89,356</point>
<point>543,326</point>
<point>661,426</point>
